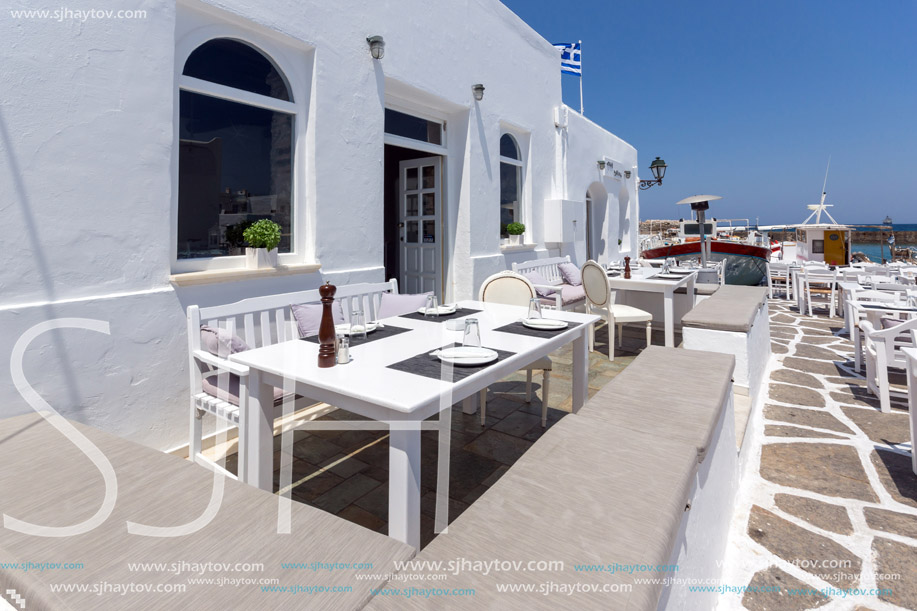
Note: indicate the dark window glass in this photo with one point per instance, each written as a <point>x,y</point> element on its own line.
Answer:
<point>694,228</point>
<point>508,147</point>
<point>235,167</point>
<point>818,247</point>
<point>510,188</point>
<point>415,128</point>
<point>236,64</point>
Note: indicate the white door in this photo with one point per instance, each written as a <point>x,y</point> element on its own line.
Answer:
<point>421,233</point>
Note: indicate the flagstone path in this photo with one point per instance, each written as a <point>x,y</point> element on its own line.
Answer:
<point>828,501</point>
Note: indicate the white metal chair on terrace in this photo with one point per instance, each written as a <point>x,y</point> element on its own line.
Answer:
<point>820,282</point>
<point>911,375</point>
<point>779,276</point>
<point>510,288</point>
<point>884,350</point>
<point>600,300</point>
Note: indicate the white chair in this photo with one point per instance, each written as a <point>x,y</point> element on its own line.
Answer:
<point>884,350</point>
<point>780,276</point>
<point>600,300</point>
<point>510,288</point>
<point>911,374</point>
<point>820,282</point>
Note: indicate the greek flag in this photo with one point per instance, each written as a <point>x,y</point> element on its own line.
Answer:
<point>571,61</point>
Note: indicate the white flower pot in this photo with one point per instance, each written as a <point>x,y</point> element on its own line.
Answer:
<point>260,258</point>
<point>515,240</point>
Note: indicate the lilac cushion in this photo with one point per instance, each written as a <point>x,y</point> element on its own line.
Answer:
<point>396,305</point>
<point>888,322</point>
<point>308,316</point>
<point>572,294</point>
<point>220,342</point>
<point>536,278</point>
<point>227,389</point>
<point>570,274</point>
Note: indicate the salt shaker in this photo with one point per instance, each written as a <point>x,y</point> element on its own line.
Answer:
<point>343,356</point>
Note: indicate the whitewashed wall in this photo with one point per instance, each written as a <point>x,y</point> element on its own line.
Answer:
<point>89,169</point>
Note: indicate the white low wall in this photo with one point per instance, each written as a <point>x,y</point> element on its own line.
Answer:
<point>701,543</point>
<point>752,349</point>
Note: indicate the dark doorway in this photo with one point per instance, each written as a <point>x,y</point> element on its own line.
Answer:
<point>394,155</point>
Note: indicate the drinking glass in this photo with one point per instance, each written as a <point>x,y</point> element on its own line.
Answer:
<point>357,325</point>
<point>432,308</point>
<point>472,336</point>
<point>534,308</point>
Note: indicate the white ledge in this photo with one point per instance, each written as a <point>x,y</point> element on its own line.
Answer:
<point>231,275</point>
<point>517,247</point>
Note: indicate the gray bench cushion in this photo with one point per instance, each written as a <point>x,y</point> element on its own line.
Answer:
<point>46,480</point>
<point>732,308</point>
<point>699,289</point>
<point>672,392</point>
<point>585,493</point>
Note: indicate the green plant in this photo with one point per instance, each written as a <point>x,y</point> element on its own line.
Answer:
<point>263,234</point>
<point>235,234</point>
<point>515,229</point>
<point>619,241</point>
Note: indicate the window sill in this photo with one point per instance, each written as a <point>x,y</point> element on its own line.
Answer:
<point>517,247</point>
<point>231,275</point>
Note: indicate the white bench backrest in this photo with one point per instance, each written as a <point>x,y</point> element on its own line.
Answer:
<point>546,267</point>
<point>263,321</point>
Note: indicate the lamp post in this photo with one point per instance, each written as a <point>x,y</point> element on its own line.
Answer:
<point>658,169</point>
<point>700,204</point>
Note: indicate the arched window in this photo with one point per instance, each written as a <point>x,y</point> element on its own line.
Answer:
<point>236,133</point>
<point>510,183</point>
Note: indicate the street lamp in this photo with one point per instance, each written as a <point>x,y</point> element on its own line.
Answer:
<point>658,169</point>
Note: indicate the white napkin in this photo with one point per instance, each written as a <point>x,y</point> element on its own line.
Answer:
<point>543,322</point>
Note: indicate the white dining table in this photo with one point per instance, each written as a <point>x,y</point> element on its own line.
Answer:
<point>367,386</point>
<point>652,280</point>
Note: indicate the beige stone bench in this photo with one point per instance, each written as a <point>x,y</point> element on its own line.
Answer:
<point>644,474</point>
<point>46,480</point>
<point>734,320</point>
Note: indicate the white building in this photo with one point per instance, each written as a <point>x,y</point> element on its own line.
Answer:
<point>131,145</point>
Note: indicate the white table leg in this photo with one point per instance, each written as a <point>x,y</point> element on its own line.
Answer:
<point>580,370</point>
<point>669,318</point>
<point>691,285</point>
<point>470,404</point>
<point>441,518</point>
<point>404,485</point>
<point>259,442</point>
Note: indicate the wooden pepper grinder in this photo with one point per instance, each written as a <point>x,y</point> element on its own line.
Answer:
<point>326,334</point>
<point>626,267</point>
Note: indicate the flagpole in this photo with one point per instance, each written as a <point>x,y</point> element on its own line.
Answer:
<point>581,111</point>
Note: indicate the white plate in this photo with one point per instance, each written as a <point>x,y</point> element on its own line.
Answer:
<point>467,356</point>
<point>441,311</point>
<point>346,330</point>
<point>669,276</point>
<point>544,323</point>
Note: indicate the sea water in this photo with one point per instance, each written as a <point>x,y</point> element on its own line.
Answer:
<point>876,252</point>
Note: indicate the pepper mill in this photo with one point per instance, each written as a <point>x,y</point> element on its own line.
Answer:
<point>326,334</point>
<point>626,267</point>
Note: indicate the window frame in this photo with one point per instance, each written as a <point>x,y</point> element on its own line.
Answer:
<point>519,214</point>
<point>280,56</point>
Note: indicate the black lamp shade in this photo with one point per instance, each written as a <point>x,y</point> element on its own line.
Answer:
<point>658,168</point>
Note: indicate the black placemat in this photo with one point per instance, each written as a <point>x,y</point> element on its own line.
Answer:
<point>431,367</point>
<point>521,329</point>
<point>886,306</point>
<point>386,331</point>
<point>459,312</point>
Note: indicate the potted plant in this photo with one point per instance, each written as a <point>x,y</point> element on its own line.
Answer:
<point>515,231</point>
<point>262,237</point>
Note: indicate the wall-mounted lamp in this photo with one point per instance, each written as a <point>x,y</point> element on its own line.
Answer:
<point>626,173</point>
<point>658,169</point>
<point>376,46</point>
<point>478,91</point>
<point>602,163</point>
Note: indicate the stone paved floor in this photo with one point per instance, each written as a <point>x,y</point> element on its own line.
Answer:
<point>346,472</point>
<point>828,498</point>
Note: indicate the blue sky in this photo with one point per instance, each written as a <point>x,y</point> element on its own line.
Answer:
<point>748,99</point>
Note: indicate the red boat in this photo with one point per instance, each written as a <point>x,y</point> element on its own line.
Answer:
<point>744,263</point>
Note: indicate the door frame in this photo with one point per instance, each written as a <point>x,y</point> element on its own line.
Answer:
<point>430,150</point>
<point>436,162</point>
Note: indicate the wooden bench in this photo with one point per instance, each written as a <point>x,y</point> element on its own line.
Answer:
<point>46,480</point>
<point>734,320</point>
<point>566,297</point>
<point>644,474</point>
